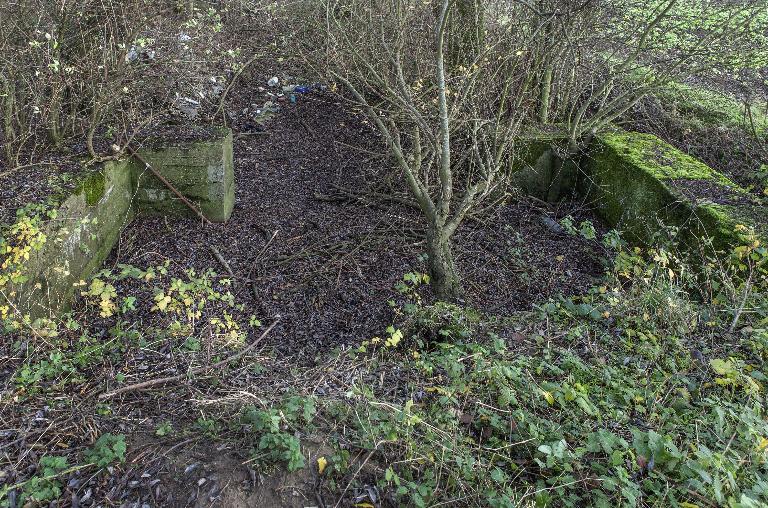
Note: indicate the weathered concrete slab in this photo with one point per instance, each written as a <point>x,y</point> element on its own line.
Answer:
<point>202,170</point>
<point>88,223</point>
<point>541,170</point>
<point>643,185</point>
<point>78,240</point>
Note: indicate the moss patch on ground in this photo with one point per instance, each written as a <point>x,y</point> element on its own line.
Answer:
<point>712,108</point>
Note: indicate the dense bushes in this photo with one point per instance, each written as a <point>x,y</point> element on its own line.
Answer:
<point>99,72</point>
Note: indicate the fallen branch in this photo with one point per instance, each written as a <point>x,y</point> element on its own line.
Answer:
<point>169,185</point>
<point>172,379</point>
<point>304,124</point>
<point>385,197</point>
<point>221,260</point>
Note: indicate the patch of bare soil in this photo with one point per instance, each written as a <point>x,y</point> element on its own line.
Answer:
<point>202,474</point>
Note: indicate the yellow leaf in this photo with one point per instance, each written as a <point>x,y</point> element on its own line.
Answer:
<point>394,339</point>
<point>686,504</point>
<point>322,463</point>
<point>548,396</point>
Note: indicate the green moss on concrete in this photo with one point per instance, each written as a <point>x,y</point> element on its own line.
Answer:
<point>539,170</point>
<point>92,187</point>
<point>660,159</point>
<point>87,226</point>
<point>89,221</point>
<point>632,179</point>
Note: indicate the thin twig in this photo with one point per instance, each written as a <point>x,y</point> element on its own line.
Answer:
<point>169,185</point>
<point>740,309</point>
<point>221,260</point>
<point>232,82</point>
<point>254,289</point>
<point>375,449</point>
<point>25,166</point>
<point>165,380</point>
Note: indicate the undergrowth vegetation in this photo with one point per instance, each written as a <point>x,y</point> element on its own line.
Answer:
<point>635,394</point>
<point>648,390</point>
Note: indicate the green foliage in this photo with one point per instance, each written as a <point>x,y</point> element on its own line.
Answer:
<point>620,397</point>
<point>164,429</point>
<point>18,242</point>
<point>274,431</point>
<point>107,450</point>
<point>45,486</point>
<point>586,229</point>
<point>691,21</point>
<point>208,427</point>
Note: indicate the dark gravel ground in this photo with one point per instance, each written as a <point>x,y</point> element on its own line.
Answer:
<point>333,263</point>
<point>329,272</point>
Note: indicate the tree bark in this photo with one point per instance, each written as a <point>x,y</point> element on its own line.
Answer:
<point>442,266</point>
<point>465,33</point>
<point>544,94</point>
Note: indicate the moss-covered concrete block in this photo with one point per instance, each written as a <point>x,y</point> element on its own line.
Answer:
<point>201,169</point>
<point>540,170</point>
<point>78,240</point>
<point>643,185</point>
<point>88,222</point>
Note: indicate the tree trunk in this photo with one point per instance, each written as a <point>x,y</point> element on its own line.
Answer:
<point>544,94</point>
<point>466,32</point>
<point>442,266</point>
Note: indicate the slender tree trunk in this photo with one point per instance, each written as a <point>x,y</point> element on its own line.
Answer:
<point>8,111</point>
<point>54,121</point>
<point>442,266</point>
<point>544,94</point>
<point>466,32</point>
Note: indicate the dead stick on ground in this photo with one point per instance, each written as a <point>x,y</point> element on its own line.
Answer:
<point>304,124</point>
<point>254,289</point>
<point>18,168</point>
<point>221,260</point>
<point>261,253</point>
<point>169,185</point>
<point>165,380</point>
